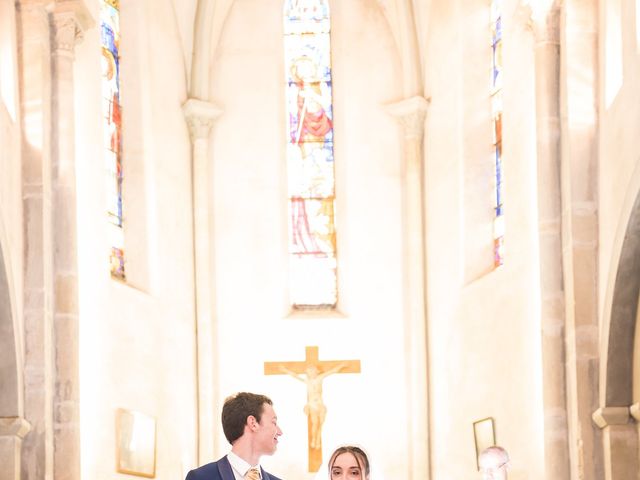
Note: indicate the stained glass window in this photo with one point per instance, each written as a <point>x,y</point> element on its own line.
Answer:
<point>496,115</point>
<point>112,130</point>
<point>310,162</point>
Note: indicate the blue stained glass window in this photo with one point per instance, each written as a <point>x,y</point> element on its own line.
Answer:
<point>112,128</point>
<point>496,114</point>
<point>310,161</point>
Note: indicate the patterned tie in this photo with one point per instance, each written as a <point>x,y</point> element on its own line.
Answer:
<point>252,474</point>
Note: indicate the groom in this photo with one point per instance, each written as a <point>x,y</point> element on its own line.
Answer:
<point>251,427</point>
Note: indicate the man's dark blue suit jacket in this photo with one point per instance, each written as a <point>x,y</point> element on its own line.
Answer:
<point>220,470</point>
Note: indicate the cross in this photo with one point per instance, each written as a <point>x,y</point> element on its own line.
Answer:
<point>312,372</point>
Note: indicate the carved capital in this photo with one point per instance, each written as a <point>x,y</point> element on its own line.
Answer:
<point>411,113</point>
<point>70,20</point>
<point>608,416</point>
<point>14,427</point>
<point>64,35</point>
<point>200,117</point>
<point>635,411</point>
<point>524,15</point>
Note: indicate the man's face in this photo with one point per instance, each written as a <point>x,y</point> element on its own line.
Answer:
<point>268,431</point>
<point>493,467</point>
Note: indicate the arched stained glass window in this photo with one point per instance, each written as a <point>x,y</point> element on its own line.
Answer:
<point>110,39</point>
<point>312,238</point>
<point>496,114</point>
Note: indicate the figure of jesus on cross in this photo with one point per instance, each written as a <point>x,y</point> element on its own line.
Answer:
<point>315,409</point>
<point>312,372</point>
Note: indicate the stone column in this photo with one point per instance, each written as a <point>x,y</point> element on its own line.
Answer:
<point>552,300</point>
<point>12,431</point>
<point>200,117</point>
<point>35,97</point>
<point>411,114</point>
<point>634,410</point>
<point>69,19</point>
<point>579,73</point>
<point>620,443</point>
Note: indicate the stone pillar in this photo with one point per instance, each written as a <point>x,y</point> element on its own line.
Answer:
<point>35,97</point>
<point>69,19</point>
<point>200,117</point>
<point>579,73</point>
<point>12,431</point>
<point>552,299</point>
<point>634,410</point>
<point>620,443</point>
<point>411,115</point>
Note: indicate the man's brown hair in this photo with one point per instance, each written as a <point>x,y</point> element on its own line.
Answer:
<point>237,408</point>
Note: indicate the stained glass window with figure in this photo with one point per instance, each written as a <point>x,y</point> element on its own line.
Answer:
<point>310,159</point>
<point>110,39</point>
<point>496,115</point>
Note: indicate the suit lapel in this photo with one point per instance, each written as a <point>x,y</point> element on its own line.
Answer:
<point>224,467</point>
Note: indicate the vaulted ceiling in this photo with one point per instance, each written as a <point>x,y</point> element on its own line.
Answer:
<point>407,20</point>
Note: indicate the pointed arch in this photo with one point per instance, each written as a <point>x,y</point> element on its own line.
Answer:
<point>210,18</point>
<point>620,324</point>
<point>401,16</point>
<point>620,435</point>
<point>403,23</point>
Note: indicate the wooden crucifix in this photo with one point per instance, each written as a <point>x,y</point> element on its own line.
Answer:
<point>312,372</point>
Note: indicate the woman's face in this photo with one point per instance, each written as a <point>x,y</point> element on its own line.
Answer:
<point>345,467</point>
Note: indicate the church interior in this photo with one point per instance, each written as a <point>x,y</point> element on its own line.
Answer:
<point>413,224</point>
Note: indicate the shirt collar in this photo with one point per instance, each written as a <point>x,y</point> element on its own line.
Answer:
<point>240,465</point>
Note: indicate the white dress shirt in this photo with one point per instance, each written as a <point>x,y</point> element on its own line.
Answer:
<point>240,467</point>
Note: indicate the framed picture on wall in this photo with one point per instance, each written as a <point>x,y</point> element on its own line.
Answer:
<point>484,435</point>
<point>135,443</point>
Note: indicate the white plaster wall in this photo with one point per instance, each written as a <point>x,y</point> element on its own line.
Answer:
<point>484,334</point>
<point>619,149</point>
<point>250,226</point>
<point>137,341</point>
<point>11,231</point>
